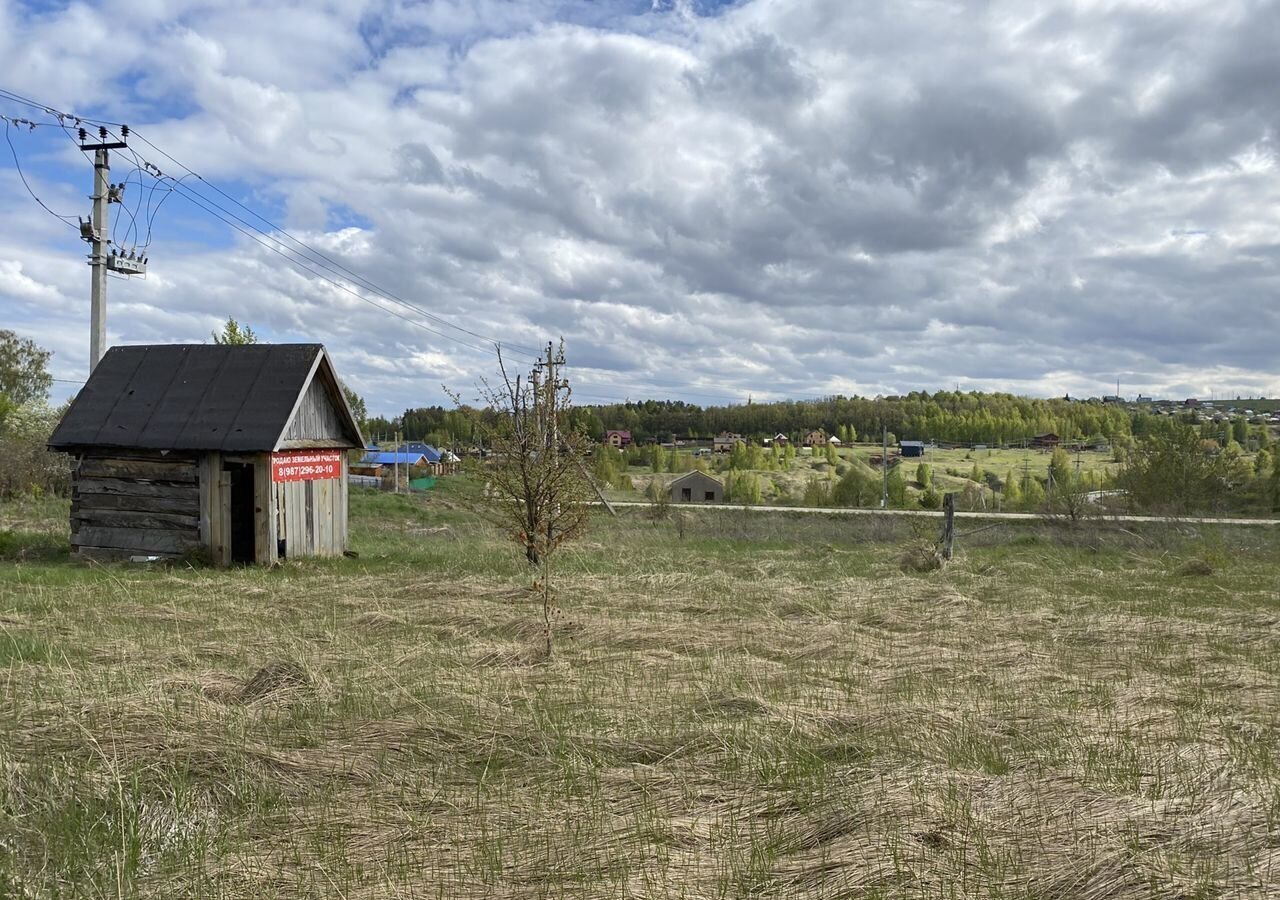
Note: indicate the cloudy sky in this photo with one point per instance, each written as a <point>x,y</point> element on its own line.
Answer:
<point>708,200</point>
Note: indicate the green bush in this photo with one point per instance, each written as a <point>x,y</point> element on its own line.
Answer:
<point>28,468</point>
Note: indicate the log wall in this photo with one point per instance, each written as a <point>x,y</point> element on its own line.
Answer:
<point>127,504</point>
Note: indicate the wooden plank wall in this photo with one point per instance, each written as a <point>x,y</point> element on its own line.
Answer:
<point>136,504</point>
<point>264,521</point>
<point>316,419</point>
<point>311,516</point>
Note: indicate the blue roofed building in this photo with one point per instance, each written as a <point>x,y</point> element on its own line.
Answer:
<point>377,462</point>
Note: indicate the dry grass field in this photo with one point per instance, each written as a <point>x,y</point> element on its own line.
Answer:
<point>738,706</point>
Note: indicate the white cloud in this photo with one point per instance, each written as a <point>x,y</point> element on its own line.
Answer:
<point>792,197</point>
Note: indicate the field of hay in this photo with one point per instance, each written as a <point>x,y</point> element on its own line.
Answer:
<point>738,706</point>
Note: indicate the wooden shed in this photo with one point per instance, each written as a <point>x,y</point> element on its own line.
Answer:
<point>237,451</point>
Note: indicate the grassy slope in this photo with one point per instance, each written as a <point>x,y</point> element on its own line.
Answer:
<point>781,486</point>
<point>762,707</point>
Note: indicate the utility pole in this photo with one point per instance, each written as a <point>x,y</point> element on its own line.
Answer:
<point>552,388</point>
<point>98,259</point>
<point>95,232</point>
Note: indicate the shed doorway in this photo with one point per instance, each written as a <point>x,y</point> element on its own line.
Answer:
<point>242,513</point>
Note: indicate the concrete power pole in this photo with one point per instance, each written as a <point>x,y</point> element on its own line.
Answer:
<point>95,232</point>
<point>98,258</point>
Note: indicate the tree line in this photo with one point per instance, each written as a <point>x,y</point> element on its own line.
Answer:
<point>949,416</point>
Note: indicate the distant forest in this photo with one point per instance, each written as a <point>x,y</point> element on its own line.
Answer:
<point>949,416</point>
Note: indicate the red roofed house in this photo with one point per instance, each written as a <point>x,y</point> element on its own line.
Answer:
<point>617,439</point>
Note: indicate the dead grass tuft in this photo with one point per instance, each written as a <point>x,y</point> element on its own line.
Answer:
<point>375,620</point>
<point>1195,567</point>
<point>919,557</point>
<point>273,678</point>
<point>519,657</point>
<point>740,707</point>
<point>222,688</point>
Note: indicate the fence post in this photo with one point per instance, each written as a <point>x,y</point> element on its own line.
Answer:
<point>948,524</point>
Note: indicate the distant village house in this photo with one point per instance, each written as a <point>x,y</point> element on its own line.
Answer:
<point>725,441</point>
<point>618,439</point>
<point>383,462</point>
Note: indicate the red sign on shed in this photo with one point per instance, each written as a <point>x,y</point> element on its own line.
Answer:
<point>306,465</point>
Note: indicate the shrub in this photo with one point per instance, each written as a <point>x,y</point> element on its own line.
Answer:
<point>28,467</point>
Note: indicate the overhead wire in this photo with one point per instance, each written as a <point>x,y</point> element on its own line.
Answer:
<point>18,166</point>
<point>303,259</point>
<point>324,260</point>
<point>124,206</point>
<point>152,214</point>
<point>198,201</point>
<point>222,215</point>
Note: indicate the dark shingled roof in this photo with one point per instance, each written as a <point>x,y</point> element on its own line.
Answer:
<point>189,397</point>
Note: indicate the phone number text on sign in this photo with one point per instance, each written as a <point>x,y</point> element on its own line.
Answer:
<point>306,465</point>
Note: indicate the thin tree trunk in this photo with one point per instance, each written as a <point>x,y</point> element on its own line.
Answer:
<point>546,602</point>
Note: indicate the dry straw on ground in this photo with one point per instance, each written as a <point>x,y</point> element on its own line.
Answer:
<point>726,718</point>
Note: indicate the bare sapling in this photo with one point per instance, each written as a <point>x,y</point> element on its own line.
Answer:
<point>539,490</point>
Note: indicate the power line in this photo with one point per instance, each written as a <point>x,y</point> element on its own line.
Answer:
<point>322,259</point>
<point>303,259</point>
<point>197,200</point>
<point>132,214</point>
<point>306,256</point>
<point>58,113</point>
<point>151,215</point>
<point>66,220</point>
